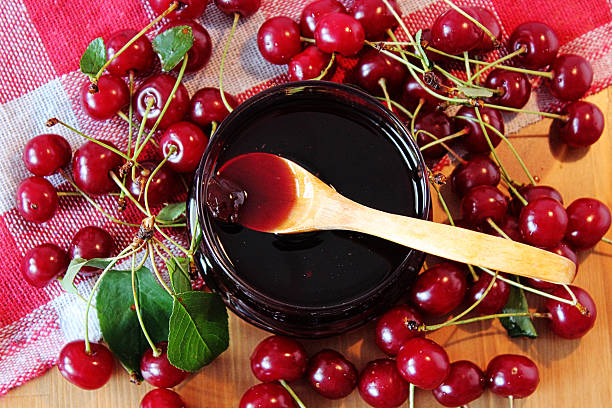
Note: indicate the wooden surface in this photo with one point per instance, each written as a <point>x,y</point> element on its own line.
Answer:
<point>573,373</point>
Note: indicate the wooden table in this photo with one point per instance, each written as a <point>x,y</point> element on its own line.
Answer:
<point>573,373</point>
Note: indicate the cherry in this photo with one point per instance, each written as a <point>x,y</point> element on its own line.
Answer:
<point>514,86</point>
<point>158,371</point>
<point>374,66</point>
<point>487,19</point>
<point>112,95</point>
<point>331,375</point>
<point>464,384</point>
<point>436,123</point>
<point>569,321</point>
<point>245,8</point>
<point>413,93</point>
<point>561,249</point>
<point>159,87</point>
<point>439,290</point>
<point>36,199</point>
<point>572,77</point>
<point>496,298</point>
<point>475,140</point>
<point>308,64</point>
<point>162,398</point>
<point>278,40</point>
<point>268,395</point>
<point>480,170</point>
<point>483,202</point>
<point>86,370</point>
<point>314,11</point>
<point>588,221</point>
<point>137,58</point>
<point>375,17</point>
<point>539,40</point>
<point>91,164</point>
<point>338,32</point>
<point>91,242</point>
<point>543,222</point>
<point>190,143</point>
<point>509,225</point>
<point>395,327</point>
<point>452,33</point>
<point>188,9</point>
<point>278,358</point>
<point>381,385</point>
<point>161,188</point>
<point>512,375</point>
<point>423,363</point>
<point>531,193</point>
<point>583,127</point>
<point>45,154</point>
<point>199,53</point>
<point>206,106</point>
<point>43,263</point>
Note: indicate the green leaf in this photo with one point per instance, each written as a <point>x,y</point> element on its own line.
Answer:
<point>198,330</point>
<point>67,282</point>
<point>118,319</point>
<point>172,212</point>
<point>172,45</point>
<point>472,92</point>
<point>420,50</point>
<point>178,268</point>
<point>518,326</point>
<point>94,57</point>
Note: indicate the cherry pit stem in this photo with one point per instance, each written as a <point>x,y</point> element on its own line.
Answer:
<point>223,58</point>
<point>327,68</point>
<point>156,351</point>
<point>497,62</point>
<point>292,393</point>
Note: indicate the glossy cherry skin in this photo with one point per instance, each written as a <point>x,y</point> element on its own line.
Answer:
<point>439,290</point>
<point>531,193</point>
<point>509,225</point>
<point>561,249</point>
<point>266,395</point>
<point>43,263</point>
<point>90,166</point>
<point>188,9</point>
<point>496,298</point>
<point>584,126</point>
<point>375,17</point>
<point>397,325</point>
<point>206,106</point>
<point>159,87</point>
<point>512,375</point>
<point>161,188</point>
<point>308,64</point>
<point>588,221</point>
<point>572,77</point>
<point>91,242</point>
<point>413,93</point>
<point>374,66</point>
<point>475,140</point>
<point>312,12</point>
<point>514,86</point>
<point>89,371</point>
<point>464,384</point>
<point>278,40</point>
<point>138,58</point>
<point>245,8</point>
<point>45,154</point>
<point>36,199</point>
<point>162,398</point>
<point>568,321</point>
<point>158,371</point>
<point>439,125</point>
<point>480,170</point>
<point>381,385</point>
<point>423,362</point>
<point>331,375</point>
<point>543,222</point>
<point>278,358</point>
<point>452,33</point>
<point>338,32</point>
<point>199,53</point>
<point>539,39</point>
<point>487,18</point>
<point>190,143</point>
<point>113,94</point>
<point>483,202</point>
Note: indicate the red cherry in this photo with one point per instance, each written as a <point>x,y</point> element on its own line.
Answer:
<point>43,263</point>
<point>279,40</point>
<point>436,123</point>
<point>381,385</point>
<point>395,327</point>
<point>91,242</point>
<point>199,53</point>
<point>540,41</point>
<point>113,94</point>
<point>480,170</point>
<point>158,371</point>
<point>338,32</point>
<point>543,222</point>
<point>569,321</point>
<point>487,19</point>
<point>514,86</point>
<point>206,106</point>
<point>161,188</point>
<point>331,375</point>
<point>454,34</point>
<point>511,375</point>
<point>572,77</point>
<point>278,358</point>
<point>562,249</point>
<point>375,17</point>
<point>91,164</point>
<point>188,9</point>
<point>89,371</point>
<point>483,202</point>
<point>439,290</point>
<point>245,8</point>
<point>374,66</point>
<point>312,12</point>
<point>162,398</point>
<point>138,58</point>
<point>159,88</point>
<point>496,298</point>
<point>509,225</point>
<point>413,93</point>
<point>464,384</point>
<point>266,395</point>
<point>531,193</point>
<point>423,363</point>
<point>584,125</point>
<point>190,143</point>
<point>588,221</point>
<point>36,199</point>
<point>45,154</point>
<point>308,64</point>
<point>475,141</point>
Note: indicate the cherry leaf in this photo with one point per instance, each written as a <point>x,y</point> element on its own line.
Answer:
<point>172,45</point>
<point>67,281</point>
<point>472,92</point>
<point>178,268</point>
<point>518,326</point>
<point>94,57</point>
<point>172,212</point>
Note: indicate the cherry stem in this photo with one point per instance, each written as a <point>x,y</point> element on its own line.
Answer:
<point>435,94</point>
<point>498,61</point>
<point>382,82</point>
<point>142,32</point>
<point>459,81</point>
<point>223,58</point>
<point>156,270</point>
<point>156,351</point>
<point>516,193</point>
<point>162,246</point>
<point>397,106</point>
<point>407,32</point>
<point>77,194</point>
<point>607,240</point>
<point>491,147</point>
<point>176,244</point>
<point>308,40</point>
<point>414,116</point>
<point>131,113</point>
<point>475,21</point>
<point>497,229</point>
<point>411,395</point>
<point>468,70</point>
<point>127,193</point>
<point>149,104</point>
<point>395,57</point>
<point>153,173</point>
<point>444,139</point>
<point>496,316</point>
<point>511,401</point>
<point>451,151</point>
<point>125,117</point>
<point>563,118</point>
<point>292,393</point>
<point>327,68</point>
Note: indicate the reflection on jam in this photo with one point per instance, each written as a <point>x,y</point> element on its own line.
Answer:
<point>256,190</point>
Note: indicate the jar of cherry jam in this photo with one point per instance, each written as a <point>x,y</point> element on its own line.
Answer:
<point>319,283</point>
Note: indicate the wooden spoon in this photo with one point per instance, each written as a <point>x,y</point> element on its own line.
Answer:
<point>282,197</point>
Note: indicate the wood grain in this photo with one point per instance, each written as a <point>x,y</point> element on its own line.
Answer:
<point>574,373</point>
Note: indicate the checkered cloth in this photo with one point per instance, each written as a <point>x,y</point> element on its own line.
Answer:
<point>40,45</point>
